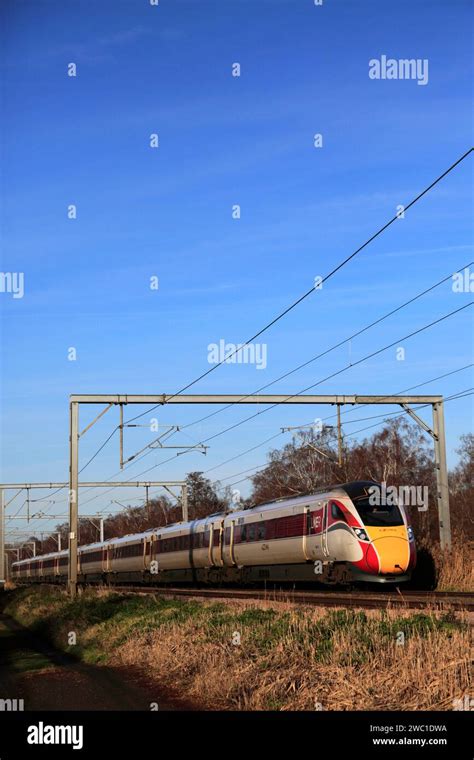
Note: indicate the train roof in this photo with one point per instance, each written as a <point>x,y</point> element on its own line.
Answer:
<point>50,555</point>
<point>352,488</point>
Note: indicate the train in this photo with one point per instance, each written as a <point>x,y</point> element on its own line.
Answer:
<point>344,534</point>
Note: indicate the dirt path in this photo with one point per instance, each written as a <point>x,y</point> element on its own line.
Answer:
<point>48,679</point>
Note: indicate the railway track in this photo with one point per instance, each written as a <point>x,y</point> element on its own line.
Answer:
<point>441,600</point>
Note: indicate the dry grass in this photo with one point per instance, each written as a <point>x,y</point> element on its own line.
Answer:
<point>288,658</point>
<point>455,568</point>
<point>334,660</point>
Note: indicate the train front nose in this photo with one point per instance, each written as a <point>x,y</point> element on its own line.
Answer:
<point>389,556</point>
<point>388,552</point>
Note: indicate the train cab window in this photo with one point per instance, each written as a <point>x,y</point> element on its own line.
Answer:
<point>337,513</point>
<point>378,515</point>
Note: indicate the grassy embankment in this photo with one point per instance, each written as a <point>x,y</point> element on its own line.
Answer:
<point>288,658</point>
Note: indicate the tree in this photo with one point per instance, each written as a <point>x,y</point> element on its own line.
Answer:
<point>203,497</point>
<point>461,487</point>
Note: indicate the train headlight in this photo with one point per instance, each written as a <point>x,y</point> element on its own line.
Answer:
<point>411,535</point>
<point>361,534</point>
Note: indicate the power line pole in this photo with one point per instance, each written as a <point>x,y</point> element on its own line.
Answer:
<point>442,493</point>
<point>73,496</point>
<point>339,435</point>
<point>184,502</point>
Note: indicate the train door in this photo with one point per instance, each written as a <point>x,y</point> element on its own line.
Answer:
<point>216,544</point>
<point>232,544</point>
<point>306,530</point>
<point>105,559</point>
<point>324,534</point>
<point>210,554</point>
<point>147,550</point>
<point>220,547</point>
<point>228,543</point>
<point>154,554</point>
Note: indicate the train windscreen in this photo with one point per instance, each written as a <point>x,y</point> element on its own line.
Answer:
<point>378,515</point>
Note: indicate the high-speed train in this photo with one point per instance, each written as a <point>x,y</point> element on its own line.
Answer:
<point>342,534</point>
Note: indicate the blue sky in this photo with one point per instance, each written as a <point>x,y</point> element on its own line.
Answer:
<point>167,212</point>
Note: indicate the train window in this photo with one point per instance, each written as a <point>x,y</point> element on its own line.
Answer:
<point>337,513</point>
<point>252,532</point>
<point>377,515</point>
<point>261,531</point>
<point>243,533</point>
